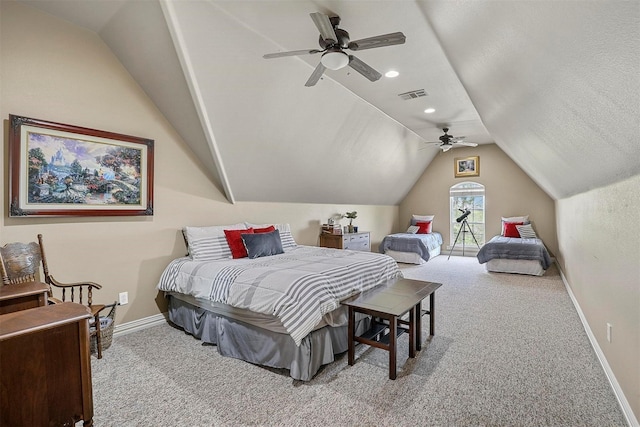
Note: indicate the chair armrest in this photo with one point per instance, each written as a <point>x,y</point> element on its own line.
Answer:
<point>52,300</point>
<point>96,309</point>
<point>54,282</point>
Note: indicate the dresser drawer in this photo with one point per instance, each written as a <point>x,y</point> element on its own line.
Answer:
<point>352,241</point>
<point>357,242</point>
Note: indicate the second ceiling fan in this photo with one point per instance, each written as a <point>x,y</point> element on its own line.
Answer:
<point>333,43</point>
<point>447,142</point>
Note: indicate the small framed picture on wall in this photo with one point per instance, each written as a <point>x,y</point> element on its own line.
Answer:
<point>466,166</point>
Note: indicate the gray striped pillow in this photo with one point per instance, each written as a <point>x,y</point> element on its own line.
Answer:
<point>526,231</point>
<point>209,248</point>
<point>210,243</point>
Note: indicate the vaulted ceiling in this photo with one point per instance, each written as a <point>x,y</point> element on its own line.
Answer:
<point>556,85</point>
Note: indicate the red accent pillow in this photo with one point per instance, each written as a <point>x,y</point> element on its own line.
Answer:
<point>268,229</point>
<point>425,227</point>
<point>510,229</point>
<point>238,250</point>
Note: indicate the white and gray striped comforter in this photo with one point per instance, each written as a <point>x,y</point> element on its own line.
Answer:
<point>298,287</point>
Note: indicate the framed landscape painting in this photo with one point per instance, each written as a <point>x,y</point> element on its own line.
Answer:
<point>466,166</point>
<point>65,170</point>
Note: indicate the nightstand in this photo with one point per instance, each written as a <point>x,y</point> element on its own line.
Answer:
<point>354,241</point>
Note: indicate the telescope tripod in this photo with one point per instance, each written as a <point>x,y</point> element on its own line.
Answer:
<point>464,228</point>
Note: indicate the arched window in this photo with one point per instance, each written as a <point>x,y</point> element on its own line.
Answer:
<point>463,196</point>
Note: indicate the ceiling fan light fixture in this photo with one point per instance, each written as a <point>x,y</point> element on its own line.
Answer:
<point>334,59</point>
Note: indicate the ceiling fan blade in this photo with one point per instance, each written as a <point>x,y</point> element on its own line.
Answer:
<point>363,68</point>
<point>468,144</point>
<point>315,76</point>
<point>290,53</point>
<point>324,26</point>
<point>378,41</point>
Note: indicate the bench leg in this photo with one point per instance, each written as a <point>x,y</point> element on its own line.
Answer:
<point>432,314</point>
<point>393,339</point>
<point>418,337</point>
<point>413,326</point>
<point>351,333</point>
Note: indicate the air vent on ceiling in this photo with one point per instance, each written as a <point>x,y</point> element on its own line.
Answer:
<point>412,94</point>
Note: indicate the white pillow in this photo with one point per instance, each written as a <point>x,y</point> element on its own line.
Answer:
<point>526,231</point>
<point>523,219</point>
<point>210,243</point>
<point>413,229</point>
<point>286,237</point>
<point>421,218</point>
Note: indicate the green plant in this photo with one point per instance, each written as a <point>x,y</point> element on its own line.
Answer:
<point>351,216</point>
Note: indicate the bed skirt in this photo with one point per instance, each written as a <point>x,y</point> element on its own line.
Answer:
<point>411,257</point>
<point>260,346</point>
<point>516,266</point>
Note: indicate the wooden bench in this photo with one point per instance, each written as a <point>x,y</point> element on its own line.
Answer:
<point>388,305</point>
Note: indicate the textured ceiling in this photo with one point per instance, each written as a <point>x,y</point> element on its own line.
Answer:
<point>554,84</point>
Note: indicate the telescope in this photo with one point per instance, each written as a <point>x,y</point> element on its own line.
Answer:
<point>465,214</point>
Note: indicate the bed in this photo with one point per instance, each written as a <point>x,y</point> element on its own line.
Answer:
<point>278,310</point>
<point>410,248</point>
<point>517,250</point>
<point>417,245</point>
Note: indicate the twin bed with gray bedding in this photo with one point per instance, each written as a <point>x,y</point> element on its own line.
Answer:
<point>411,248</point>
<point>515,255</point>
<point>281,311</point>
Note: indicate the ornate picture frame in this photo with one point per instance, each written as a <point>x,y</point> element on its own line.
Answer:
<point>57,169</point>
<point>466,166</point>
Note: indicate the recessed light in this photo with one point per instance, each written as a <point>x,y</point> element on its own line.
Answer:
<point>430,110</point>
<point>391,74</point>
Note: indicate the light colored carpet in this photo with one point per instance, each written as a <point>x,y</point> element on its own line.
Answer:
<point>509,350</point>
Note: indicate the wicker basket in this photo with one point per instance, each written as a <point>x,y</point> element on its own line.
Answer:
<point>106,329</point>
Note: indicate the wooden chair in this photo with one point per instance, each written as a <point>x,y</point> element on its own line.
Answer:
<point>20,263</point>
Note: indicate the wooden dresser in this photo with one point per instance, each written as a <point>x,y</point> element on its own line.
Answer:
<point>360,241</point>
<point>45,378</point>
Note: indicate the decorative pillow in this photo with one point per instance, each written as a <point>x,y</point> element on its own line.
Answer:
<point>235,242</point>
<point>209,243</point>
<point>526,231</point>
<point>264,230</point>
<point>510,229</point>
<point>522,219</point>
<point>285,233</point>
<point>424,227</point>
<point>424,218</point>
<point>262,244</point>
<point>413,229</point>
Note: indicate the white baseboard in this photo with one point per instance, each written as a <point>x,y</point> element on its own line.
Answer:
<point>140,324</point>
<point>622,400</point>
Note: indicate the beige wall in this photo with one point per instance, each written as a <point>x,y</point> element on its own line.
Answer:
<point>508,192</point>
<point>599,251</point>
<point>58,72</point>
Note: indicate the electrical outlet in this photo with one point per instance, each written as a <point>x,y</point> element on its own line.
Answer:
<point>609,327</point>
<point>123,298</point>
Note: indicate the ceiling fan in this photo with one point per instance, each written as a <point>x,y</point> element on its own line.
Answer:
<point>447,142</point>
<point>333,42</point>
